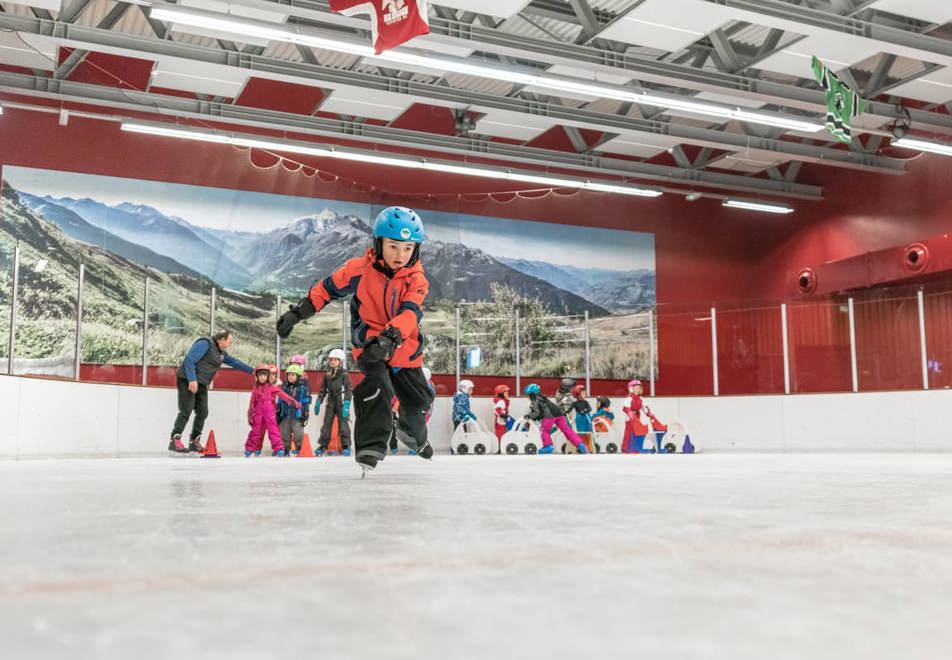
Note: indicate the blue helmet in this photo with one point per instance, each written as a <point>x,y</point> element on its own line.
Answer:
<point>400,224</point>
<point>532,388</point>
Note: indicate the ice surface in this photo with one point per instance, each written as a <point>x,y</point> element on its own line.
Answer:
<point>706,556</point>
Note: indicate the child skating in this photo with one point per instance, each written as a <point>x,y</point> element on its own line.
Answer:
<point>292,420</point>
<point>337,392</point>
<point>461,410</point>
<point>583,413</point>
<point>635,429</point>
<point>388,288</point>
<point>502,421</point>
<point>545,411</point>
<point>262,414</point>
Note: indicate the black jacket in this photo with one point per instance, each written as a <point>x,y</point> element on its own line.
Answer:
<point>335,387</point>
<point>541,408</point>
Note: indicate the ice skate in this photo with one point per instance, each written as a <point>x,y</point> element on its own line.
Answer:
<point>248,453</point>
<point>425,451</point>
<point>346,451</point>
<point>582,449</point>
<point>279,454</point>
<point>366,463</point>
<point>195,444</point>
<point>547,449</point>
<point>176,445</point>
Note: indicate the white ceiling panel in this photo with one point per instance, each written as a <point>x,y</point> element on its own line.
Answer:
<point>14,52</point>
<point>668,25</point>
<point>365,103</point>
<point>836,51</point>
<point>198,77</point>
<point>924,90</point>
<point>50,5</point>
<point>596,76</point>
<point>500,8</point>
<point>642,145</point>
<point>934,11</point>
<point>727,100</point>
<point>512,125</point>
<point>235,10</point>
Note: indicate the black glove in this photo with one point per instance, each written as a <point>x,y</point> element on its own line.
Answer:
<point>382,346</point>
<point>295,314</point>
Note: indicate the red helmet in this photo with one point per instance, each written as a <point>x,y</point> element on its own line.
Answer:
<point>578,389</point>
<point>500,389</point>
<point>273,368</point>
<point>261,366</point>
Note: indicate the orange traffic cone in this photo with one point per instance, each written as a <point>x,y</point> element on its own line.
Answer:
<point>306,450</point>
<point>211,448</point>
<point>334,444</point>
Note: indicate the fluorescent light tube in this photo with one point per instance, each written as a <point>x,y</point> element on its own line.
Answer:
<point>233,25</point>
<point>395,160</point>
<point>922,145</point>
<point>765,207</point>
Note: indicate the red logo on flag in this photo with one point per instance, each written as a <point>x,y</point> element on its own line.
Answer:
<point>393,22</point>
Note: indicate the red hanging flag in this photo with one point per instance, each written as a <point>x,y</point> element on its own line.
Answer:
<point>393,22</point>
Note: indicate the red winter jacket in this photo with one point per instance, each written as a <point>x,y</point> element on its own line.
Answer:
<point>380,300</point>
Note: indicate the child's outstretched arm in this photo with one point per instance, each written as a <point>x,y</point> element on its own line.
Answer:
<point>285,396</point>
<point>342,282</point>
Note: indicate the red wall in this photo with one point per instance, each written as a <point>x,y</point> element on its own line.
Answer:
<point>704,253</point>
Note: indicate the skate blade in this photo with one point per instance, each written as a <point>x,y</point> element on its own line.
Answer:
<point>364,469</point>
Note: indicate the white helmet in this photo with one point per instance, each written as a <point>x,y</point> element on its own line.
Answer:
<point>466,386</point>
<point>427,373</point>
<point>339,354</point>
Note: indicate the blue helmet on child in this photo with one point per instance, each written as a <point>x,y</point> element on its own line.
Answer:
<point>532,388</point>
<point>399,224</point>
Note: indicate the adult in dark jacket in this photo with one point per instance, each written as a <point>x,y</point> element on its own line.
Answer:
<point>195,374</point>
<point>336,390</point>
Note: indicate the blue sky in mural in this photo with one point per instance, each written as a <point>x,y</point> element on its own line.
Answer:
<point>220,208</point>
<point>570,245</point>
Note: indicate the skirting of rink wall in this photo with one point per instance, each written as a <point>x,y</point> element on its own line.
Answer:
<point>50,418</point>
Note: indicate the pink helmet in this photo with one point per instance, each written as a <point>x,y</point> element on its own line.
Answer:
<point>632,383</point>
<point>299,359</point>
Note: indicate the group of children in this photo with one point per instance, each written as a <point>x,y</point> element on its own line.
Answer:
<point>282,410</point>
<point>570,404</point>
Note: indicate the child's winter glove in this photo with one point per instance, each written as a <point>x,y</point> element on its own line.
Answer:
<point>345,411</point>
<point>381,347</point>
<point>295,314</point>
<point>317,407</point>
<point>469,417</point>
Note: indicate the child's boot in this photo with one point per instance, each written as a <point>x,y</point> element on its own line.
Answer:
<point>176,444</point>
<point>195,444</point>
<point>547,449</point>
<point>582,449</point>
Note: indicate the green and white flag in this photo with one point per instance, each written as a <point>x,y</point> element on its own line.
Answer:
<point>842,103</point>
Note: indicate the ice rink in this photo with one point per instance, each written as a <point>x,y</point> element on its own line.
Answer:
<point>706,556</point>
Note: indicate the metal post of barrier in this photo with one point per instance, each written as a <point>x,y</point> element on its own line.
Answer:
<point>786,348</point>
<point>212,310</point>
<point>518,357</point>
<point>588,356</point>
<point>922,339</point>
<point>458,356</point>
<point>651,352</point>
<point>717,387</point>
<point>77,358</point>
<point>277,337</point>
<point>14,298</point>
<point>145,333</point>
<point>853,368</point>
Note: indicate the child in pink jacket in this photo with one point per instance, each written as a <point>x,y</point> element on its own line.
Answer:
<point>262,413</point>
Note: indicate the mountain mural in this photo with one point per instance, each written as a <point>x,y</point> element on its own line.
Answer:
<point>77,228</point>
<point>294,256</point>
<point>619,291</point>
<point>145,225</point>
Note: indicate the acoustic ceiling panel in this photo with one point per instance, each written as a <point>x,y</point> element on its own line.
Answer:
<point>668,25</point>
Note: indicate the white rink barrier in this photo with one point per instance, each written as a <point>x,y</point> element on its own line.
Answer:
<point>53,418</point>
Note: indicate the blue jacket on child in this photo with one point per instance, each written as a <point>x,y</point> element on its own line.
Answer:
<point>461,411</point>
<point>300,392</point>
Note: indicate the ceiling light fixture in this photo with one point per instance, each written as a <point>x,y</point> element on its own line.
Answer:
<point>922,145</point>
<point>238,26</point>
<point>392,161</point>
<point>766,207</point>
